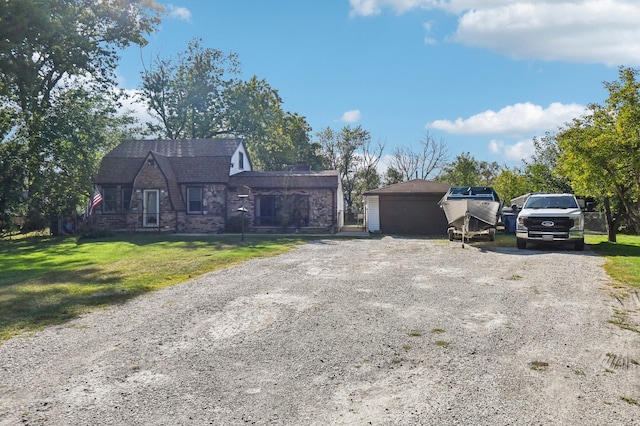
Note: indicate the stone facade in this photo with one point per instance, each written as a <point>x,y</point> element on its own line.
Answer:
<point>219,204</point>
<point>148,183</point>
<point>322,206</point>
<point>213,217</point>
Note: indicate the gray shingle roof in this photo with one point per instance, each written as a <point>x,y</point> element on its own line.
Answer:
<point>190,160</point>
<point>177,147</point>
<point>174,190</point>
<point>415,186</point>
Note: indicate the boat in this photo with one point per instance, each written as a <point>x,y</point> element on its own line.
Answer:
<point>471,211</point>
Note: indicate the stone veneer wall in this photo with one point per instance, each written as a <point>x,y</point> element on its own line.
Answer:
<point>321,205</point>
<point>213,218</point>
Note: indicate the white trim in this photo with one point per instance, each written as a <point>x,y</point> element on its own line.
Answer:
<point>234,167</point>
<point>372,213</point>
<point>151,210</point>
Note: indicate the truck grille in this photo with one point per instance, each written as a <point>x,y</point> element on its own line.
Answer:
<point>551,224</point>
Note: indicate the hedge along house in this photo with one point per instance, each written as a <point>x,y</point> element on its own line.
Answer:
<point>193,185</point>
<point>407,208</point>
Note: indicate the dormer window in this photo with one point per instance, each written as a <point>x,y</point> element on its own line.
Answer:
<point>151,162</point>
<point>241,161</point>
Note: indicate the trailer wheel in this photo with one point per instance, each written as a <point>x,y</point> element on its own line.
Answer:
<point>450,231</point>
<point>492,234</point>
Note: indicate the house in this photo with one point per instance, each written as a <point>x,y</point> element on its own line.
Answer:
<point>200,185</point>
<point>407,208</point>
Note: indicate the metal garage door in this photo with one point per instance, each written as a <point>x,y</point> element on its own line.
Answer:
<point>409,214</point>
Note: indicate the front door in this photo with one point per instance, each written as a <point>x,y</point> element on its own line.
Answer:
<point>151,209</point>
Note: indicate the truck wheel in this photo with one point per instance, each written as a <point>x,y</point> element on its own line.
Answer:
<point>521,243</point>
<point>579,246</point>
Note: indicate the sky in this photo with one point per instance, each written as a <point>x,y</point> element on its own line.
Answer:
<point>483,76</point>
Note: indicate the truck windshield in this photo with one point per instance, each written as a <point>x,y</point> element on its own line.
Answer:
<point>559,202</point>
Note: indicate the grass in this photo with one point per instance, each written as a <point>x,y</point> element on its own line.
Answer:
<point>629,400</point>
<point>46,281</point>
<point>623,257</point>
<point>539,365</point>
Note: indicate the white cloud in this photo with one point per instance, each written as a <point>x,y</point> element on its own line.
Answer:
<point>180,13</point>
<point>351,116</point>
<point>132,105</point>
<point>591,31</point>
<point>516,152</point>
<point>427,28</point>
<point>514,120</point>
<point>374,7</point>
<point>595,31</point>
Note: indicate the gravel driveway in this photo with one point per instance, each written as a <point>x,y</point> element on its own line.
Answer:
<point>381,331</point>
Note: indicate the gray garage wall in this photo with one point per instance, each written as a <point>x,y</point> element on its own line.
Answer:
<point>412,214</point>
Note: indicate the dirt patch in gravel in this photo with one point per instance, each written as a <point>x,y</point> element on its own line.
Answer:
<point>381,331</point>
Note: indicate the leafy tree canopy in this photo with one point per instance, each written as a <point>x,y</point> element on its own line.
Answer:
<point>197,95</point>
<point>351,152</point>
<point>465,170</point>
<point>600,152</point>
<point>48,50</point>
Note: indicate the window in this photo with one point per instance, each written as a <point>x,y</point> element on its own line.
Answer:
<point>241,161</point>
<point>109,200</point>
<point>126,199</point>
<point>194,200</point>
<point>282,210</point>
<point>265,210</point>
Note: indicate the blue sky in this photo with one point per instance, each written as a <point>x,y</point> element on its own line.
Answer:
<point>485,77</point>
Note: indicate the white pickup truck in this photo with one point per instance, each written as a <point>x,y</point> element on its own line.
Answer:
<point>550,218</point>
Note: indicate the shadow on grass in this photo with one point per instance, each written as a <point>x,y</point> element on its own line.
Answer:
<point>47,281</point>
<point>35,307</point>
<point>606,248</point>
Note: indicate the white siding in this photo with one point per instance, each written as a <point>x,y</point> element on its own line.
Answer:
<point>372,213</point>
<point>340,205</point>
<point>236,163</point>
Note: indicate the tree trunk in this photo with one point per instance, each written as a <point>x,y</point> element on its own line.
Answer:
<point>611,225</point>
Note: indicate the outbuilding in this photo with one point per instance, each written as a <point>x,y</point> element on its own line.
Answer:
<point>407,208</point>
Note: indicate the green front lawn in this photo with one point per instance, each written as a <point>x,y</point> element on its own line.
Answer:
<point>45,281</point>
<point>623,257</point>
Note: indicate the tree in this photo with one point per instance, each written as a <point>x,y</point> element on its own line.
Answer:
<point>43,43</point>
<point>542,173</point>
<point>422,163</point>
<point>82,127</point>
<point>510,183</point>
<point>463,171</point>
<point>349,151</point>
<point>585,161</point>
<point>12,181</point>
<point>187,94</point>
<point>392,176</point>
<point>197,96</point>
<point>47,47</point>
<point>487,172</point>
<point>600,152</point>
<point>275,138</point>
<point>367,176</point>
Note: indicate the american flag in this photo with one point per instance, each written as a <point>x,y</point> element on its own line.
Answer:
<point>96,199</point>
